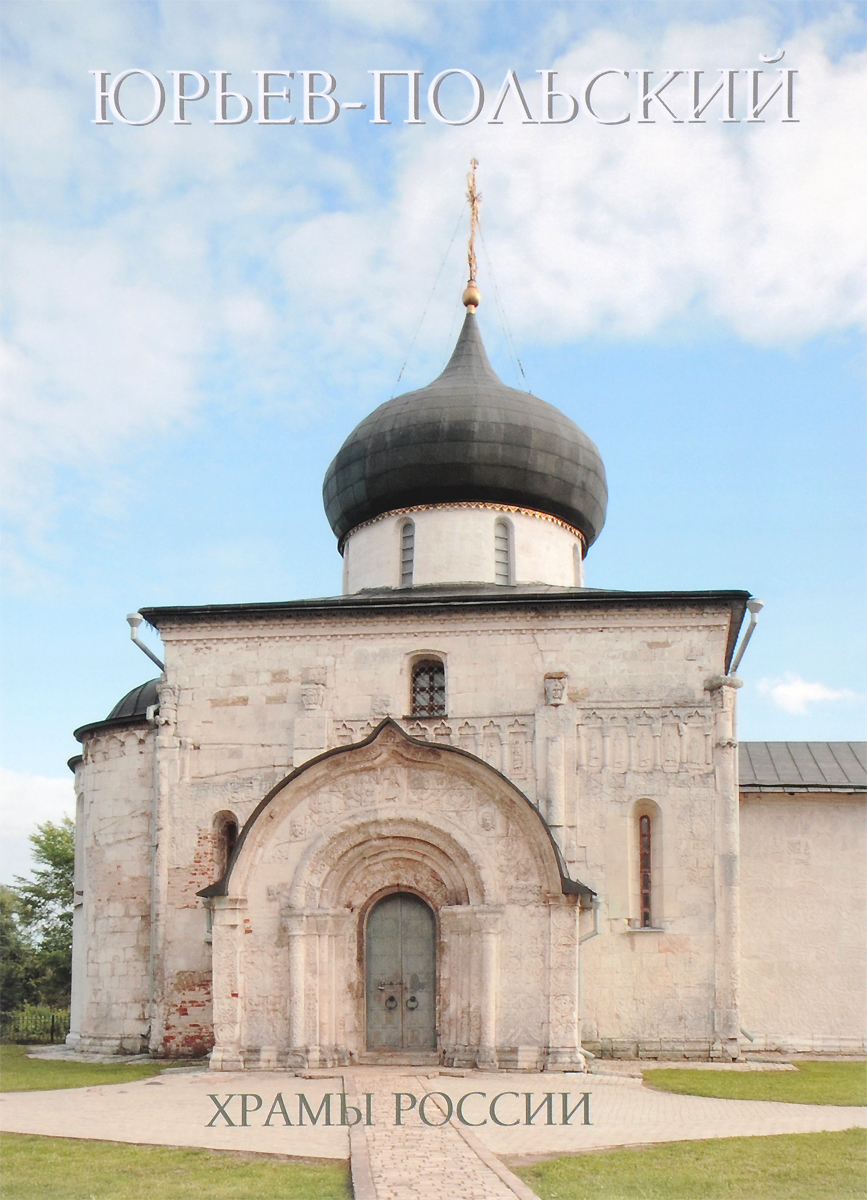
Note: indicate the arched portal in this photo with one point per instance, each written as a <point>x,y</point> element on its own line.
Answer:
<point>400,974</point>
<point>395,876</point>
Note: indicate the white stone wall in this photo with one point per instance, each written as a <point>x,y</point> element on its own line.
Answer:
<point>804,911</point>
<point>111,917</point>
<point>633,722</point>
<point>596,714</point>
<point>455,544</point>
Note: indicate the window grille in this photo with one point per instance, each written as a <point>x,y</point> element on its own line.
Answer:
<point>645,876</point>
<point>407,553</point>
<point>428,689</point>
<point>502,555</point>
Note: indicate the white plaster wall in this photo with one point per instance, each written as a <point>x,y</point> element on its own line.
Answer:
<point>804,914</point>
<point>455,544</point>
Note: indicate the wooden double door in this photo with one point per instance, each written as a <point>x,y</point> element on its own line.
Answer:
<point>400,974</point>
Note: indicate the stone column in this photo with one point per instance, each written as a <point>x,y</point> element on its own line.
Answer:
<point>726,867</point>
<point>228,915</point>
<point>459,998</point>
<point>294,923</point>
<point>553,728</point>
<point>166,751</point>
<point>489,922</point>
<point>563,1049</point>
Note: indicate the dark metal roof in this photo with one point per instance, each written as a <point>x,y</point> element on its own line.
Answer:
<point>454,597</point>
<point>130,710</point>
<point>803,766</point>
<point>467,436</point>
<point>137,702</point>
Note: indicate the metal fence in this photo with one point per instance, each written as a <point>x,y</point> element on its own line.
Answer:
<point>35,1024</point>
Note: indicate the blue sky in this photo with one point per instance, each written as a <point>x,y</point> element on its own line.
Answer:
<point>196,316</point>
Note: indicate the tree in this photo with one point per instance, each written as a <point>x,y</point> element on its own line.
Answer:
<point>17,966</point>
<point>42,917</point>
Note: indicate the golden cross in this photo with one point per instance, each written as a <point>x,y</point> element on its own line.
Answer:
<point>474,198</point>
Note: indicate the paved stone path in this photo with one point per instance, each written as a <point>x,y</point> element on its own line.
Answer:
<point>421,1161</point>
<point>412,1161</point>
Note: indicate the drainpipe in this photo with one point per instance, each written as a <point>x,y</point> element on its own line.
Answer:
<point>153,721</point>
<point>597,904</point>
<point>135,619</point>
<point>755,607</point>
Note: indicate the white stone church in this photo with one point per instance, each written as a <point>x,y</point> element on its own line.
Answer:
<point>469,812</point>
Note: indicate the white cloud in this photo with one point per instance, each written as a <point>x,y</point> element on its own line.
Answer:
<point>98,355</point>
<point>27,801</point>
<point>795,695</point>
<point>305,257</point>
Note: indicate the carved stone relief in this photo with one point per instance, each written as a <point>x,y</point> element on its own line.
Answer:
<point>555,687</point>
<point>670,740</point>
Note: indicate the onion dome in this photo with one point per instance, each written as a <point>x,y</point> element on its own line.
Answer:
<point>467,437</point>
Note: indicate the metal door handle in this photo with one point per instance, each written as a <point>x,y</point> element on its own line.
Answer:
<point>412,1002</point>
<point>391,1002</point>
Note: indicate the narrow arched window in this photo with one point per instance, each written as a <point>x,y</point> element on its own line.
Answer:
<point>230,840</point>
<point>645,871</point>
<point>502,554</point>
<point>225,840</point>
<point>407,553</point>
<point>429,689</point>
<point>578,565</point>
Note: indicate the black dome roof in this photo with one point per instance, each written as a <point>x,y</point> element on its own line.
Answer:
<point>137,702</point>
<point>467,436</point>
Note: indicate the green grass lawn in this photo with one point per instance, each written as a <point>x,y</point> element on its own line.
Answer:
<point>800,1166</point>
<point>45,1168</point>
<point>812,1083</point>
<point>18,1073</point>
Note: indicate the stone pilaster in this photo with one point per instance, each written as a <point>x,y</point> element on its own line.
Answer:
<point>726,866</point>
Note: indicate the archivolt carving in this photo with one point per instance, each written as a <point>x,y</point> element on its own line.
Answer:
<point>436,811</point>
<point>344,870</point>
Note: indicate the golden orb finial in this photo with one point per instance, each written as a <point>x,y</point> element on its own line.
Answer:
<point>472,297</point>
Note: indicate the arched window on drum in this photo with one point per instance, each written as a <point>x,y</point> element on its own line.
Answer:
<point>504,567</point>
<point>407,553</point>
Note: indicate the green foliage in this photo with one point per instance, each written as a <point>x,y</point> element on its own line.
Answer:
<point>17,982</point>
<point>18,1073</point>
<point>36,923</point>
<point>814,1082</point>
<point>43,1168</point>
<point>35,1023</point>
<point>799,1166</point>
